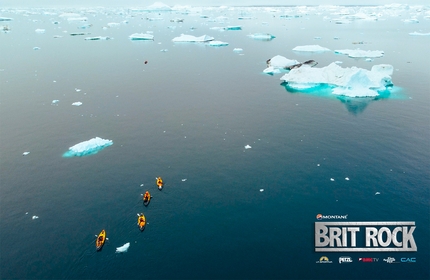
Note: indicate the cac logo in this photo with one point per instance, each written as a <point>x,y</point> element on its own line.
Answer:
<point>408,260</point>
<point>319,217</point>
<point>324,259</point>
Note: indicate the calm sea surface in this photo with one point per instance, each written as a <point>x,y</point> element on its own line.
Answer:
<point>188,114</point>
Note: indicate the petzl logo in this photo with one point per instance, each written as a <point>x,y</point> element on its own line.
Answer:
<point>390,260</point>
<point>324,259</point>
<point>345,259</point>
<point>365,237</point>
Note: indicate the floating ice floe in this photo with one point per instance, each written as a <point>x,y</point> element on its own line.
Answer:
<point>36,48</point>
<point>40,31</point>
<point>248,147</point>
<point>25,153</point>
<point>55,101</point>
<point>411,20</point>
<point>233,27</point>
<point>331,179</point>
<point>377,193</point>
<point>311,48</point>
<point>351,82</point>
<point>419,34</point>
<point>141,36</point>
<point>183,180</point>
<point>90,147</point>
<point>262,36</point>
<point>191,38</point>
<point>217,44</point>
<point>346,178</point>
<point>35,217</point>
<point>123,248</point>
<point>97,38</point>
<point>79,33</point>
<point>238,50</point>
<point>360,53</point>
<point>77,103</point>
<point>278,63</point>
<point>5,19</point>
<point>261,190</point>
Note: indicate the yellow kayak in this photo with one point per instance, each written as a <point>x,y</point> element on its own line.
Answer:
<point>146,198</point>
<point>101,238</point>
<point>159,183</point>
<point>141,221</point>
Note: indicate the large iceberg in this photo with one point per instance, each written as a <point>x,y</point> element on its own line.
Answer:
<point>351,82</point>
<point>360,53</point>
<point>90,147</point>
<point>191,38</point>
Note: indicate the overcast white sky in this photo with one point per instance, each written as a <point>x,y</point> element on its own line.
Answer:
<point>143,3</point>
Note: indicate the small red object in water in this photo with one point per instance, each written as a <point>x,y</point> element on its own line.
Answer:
<point>146,61</point>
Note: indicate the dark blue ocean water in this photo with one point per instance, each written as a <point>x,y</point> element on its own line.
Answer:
<point>188,114</point>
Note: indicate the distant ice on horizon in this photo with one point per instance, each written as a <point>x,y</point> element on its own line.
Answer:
<point>310,48</point>
<point>90,147</point>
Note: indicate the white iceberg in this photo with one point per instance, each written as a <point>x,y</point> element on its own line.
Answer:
<point>261,36</point>
<point>5,19</point>
<point>233,27</point>
<point>90,147</point>
<point>351,82</point>
<point>123,248</point>
<point>55,101</point>
<point>141,36</point>
<point>247,147</point>
<point>77,103</point>
<point>35,217</point>
<point>40,30</point>
<point>217,44</point>
<point>191,38</point>
<point>25,153</point>
<point>310,48</point>
<point>238,50</point>
<point>360,53</point>
<point>278,63</point>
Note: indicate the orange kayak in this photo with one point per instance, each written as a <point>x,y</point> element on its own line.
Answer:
<point>146,198</point>
<point>101,240</point>
<point>141,221</point>
<point>159,183</point>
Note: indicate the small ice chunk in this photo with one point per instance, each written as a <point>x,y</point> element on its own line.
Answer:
<point>78,103</point>
<point>318,164</point>
<point>262,36</point>
<point>311,48</point>
<point>377,193</point>
<point>25,153</point>
<point>88,147</point>
<point>217,44</point>
<point>238,50</point>
<point>123,248</point>
<point>77,90</point>
<point>141,36</point>
<point>248,147</point>
<point>183,180</point>
<point>191,38</point>
<point>360,53</point>
<point>261,190</point>
<point>419,34</point>
<point>331,179</point>
<point>346,178</point>
<point>36,48</point>
<point>278,63</point>
<point>40,30</point>
<point>233,27</point>
<point>164,50</point>
<point>141,185</point>
<point>35,217</point>
<point>97,38</point>
<point>26,213</point>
